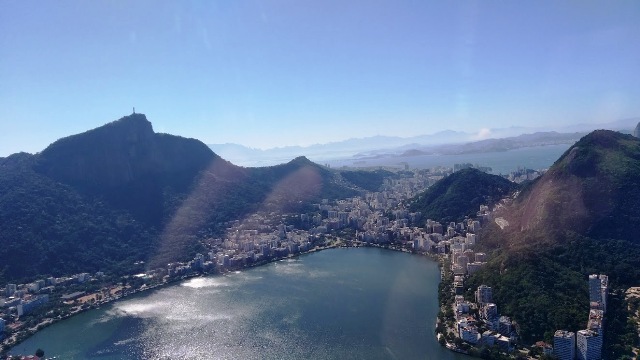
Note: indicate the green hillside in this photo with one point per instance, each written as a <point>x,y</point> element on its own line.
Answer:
<point>461,194</point>
<point>121,193</point>
<point>50,228</point>
<point>577,219</point>
<point>368,180</point>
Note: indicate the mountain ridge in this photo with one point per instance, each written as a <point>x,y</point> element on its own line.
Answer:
<point>154,197</point>
<point>380,145</point>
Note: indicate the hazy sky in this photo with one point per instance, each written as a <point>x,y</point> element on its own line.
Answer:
<point>273,73</point>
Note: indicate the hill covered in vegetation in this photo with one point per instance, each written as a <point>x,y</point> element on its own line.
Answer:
<point>577,219</point>
<point>370,180</point>
<point>121,193</point>
<point>461,194</point>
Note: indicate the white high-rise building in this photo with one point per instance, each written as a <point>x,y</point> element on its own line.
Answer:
<point>484,295</point>
<point>589,345</point>
<point>564,345</point>
<point>604,290</point>
<point>471,239</point>
<point>463,261</point>
<point>594,288</point>
<point>598,289</point>
<point>489,313</point>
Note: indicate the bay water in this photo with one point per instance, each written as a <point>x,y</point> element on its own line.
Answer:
<point>503,162</point>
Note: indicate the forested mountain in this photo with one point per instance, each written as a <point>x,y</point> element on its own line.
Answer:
<point>370,180</point>
<point>461,194</point>
<point>121,193</point>
<point>128,165</point>
<point>577,219</point>
<point>593,190</point>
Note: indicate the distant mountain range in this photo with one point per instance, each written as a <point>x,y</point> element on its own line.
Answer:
<point>120,193</point>
<point>246,156</point>
<point>481,146</point>
<point>391,146</point>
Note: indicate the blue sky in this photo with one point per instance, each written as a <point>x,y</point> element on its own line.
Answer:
<point>292,72</point>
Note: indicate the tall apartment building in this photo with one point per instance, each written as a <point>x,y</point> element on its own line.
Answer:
<point>594,288</point>
<point>604,290</point>
<point>598,289</point>
<point>484,295</point>
<point>588,345</point>
<point>564,345</point>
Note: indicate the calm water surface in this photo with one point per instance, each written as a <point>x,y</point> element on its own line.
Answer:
<point>539,157</point>
<point>336,304</point>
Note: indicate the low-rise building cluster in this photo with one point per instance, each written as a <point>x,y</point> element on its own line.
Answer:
<point>487,327</point>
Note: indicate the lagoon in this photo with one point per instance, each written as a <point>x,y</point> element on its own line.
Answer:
<point>364,303</point>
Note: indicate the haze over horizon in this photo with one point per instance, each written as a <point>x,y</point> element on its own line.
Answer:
<point>282,73</point>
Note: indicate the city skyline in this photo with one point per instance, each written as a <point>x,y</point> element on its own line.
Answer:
<point>286,73</point>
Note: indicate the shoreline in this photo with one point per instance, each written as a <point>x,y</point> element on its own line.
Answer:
<point>51,321</point>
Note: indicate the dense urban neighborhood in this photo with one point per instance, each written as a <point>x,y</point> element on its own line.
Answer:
<point>469,325</point>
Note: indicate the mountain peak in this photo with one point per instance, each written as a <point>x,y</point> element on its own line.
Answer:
<point>594,152</point>
<point>129,129</point>
<point>461,194</point>
<point>591,190</point>
<point>125,157</point>
<point>301,160</point>
<point>602,138</point>
<point>133,127</point>
<point>131,120</point>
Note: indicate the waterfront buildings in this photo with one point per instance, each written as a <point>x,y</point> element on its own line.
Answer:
<point>28,306</point>
<point>469,334</point>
